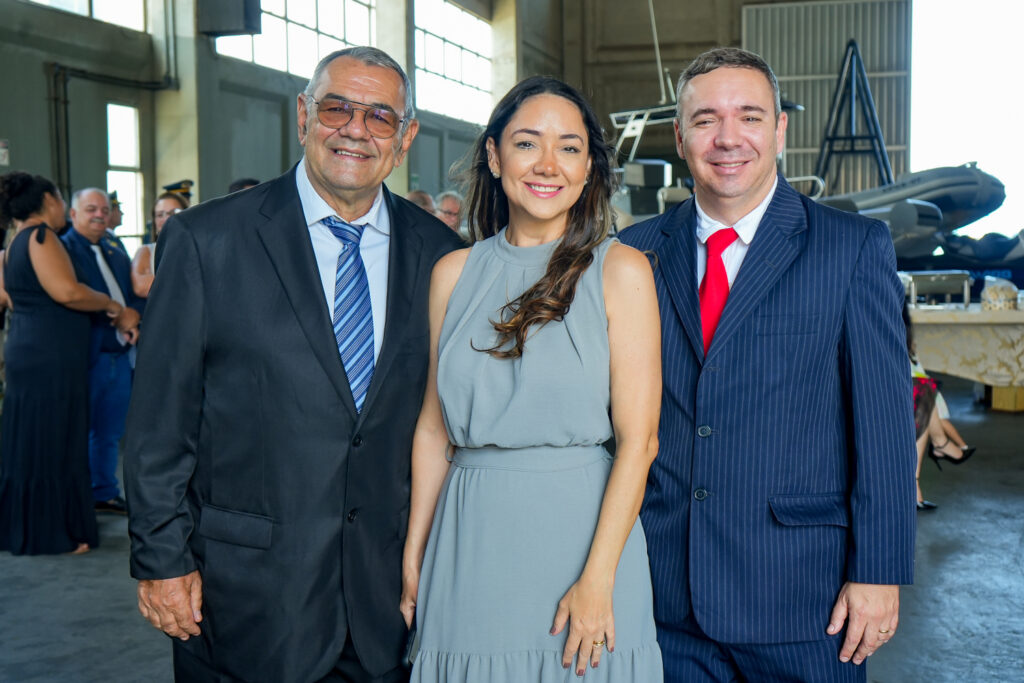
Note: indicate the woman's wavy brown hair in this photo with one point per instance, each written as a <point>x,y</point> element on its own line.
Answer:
<point>589,218</point>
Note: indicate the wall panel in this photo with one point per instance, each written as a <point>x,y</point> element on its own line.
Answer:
<point>247,116</point>
<point>33,37</point>
<point>805,42</point>
<point>441,144</point>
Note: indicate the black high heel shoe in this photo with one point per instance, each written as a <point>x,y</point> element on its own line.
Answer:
<point>935,454</point>
<point>924,504</point>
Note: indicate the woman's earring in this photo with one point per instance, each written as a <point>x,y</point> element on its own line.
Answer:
<point>495,174</point>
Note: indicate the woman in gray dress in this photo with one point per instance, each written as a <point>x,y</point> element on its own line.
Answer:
<point>524,555</point>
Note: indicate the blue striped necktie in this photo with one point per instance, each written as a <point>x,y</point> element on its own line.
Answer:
<point>353,316</point>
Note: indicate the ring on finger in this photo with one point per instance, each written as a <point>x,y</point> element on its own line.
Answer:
<point>883,631</point>
<point>598,643</point>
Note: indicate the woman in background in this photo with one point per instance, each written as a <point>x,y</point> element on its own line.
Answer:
<point>536,561</point>
<point>144,263</point>
<point>935,432</point>
<point>46,503</point>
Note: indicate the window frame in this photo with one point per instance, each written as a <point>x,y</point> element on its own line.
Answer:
<point>90,13</point>
<point>422,34</point>
<point>321,36</point>
<point>141,235</point>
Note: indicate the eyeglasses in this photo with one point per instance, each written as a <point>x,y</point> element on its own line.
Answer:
<point>335,112</point>
<point>446,212</point>
<point>167,214</point>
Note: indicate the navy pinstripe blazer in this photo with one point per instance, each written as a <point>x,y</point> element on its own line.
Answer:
<point>787,455</point>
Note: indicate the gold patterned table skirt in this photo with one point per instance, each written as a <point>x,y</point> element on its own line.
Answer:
<point>984,346</point>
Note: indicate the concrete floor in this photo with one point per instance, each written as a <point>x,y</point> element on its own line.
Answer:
<point>963,619</point>
<point>74,618</point>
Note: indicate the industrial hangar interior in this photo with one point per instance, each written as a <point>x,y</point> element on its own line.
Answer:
<point>140,97</point>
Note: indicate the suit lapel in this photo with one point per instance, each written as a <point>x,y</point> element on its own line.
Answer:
<point>86,258</point>
<point>777,242</point>
<point>677,259</point>
<point>286,239</point>
<point>405,260</point>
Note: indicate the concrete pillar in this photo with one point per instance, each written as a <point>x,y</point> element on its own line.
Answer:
<point>394,37</point>
<point>505,64</point>
<point>176,125</point>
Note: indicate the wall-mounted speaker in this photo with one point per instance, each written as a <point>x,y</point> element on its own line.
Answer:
<point>228,17</point>
<point>481,8</point>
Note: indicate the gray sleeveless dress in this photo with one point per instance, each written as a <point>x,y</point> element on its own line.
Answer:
<point>519,506</point>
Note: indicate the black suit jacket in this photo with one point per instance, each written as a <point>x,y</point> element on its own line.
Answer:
<point>244,455</point>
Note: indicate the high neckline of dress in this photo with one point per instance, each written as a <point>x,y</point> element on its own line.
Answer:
<point>538,255</point>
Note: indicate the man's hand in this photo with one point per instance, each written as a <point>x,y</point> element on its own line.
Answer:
<point>126,319</point>
<point>131,335</point>
<point>173,605</point>
<point>873,611</point>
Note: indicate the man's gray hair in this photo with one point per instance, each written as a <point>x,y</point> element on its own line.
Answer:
<point>370,56</point>
<point>446,194</point>
<point>731,58</point>
<point>77,196</point>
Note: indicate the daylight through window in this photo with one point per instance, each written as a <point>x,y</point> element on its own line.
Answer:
<point>298,33</point>
<point>124,172</point>
<point>453,61</point>
<point>128,13</point>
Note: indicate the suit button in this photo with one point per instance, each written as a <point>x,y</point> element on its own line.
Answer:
<point>352,514</point>
<point>703,431</point>
<point>357,441</point>
<point>700,494</point>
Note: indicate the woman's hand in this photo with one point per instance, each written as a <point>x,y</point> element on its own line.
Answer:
<point>113,309</point>
<point>410,587</point>
<point>587,607</point>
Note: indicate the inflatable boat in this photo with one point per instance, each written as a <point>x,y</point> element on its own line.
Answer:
<point>923,209</point>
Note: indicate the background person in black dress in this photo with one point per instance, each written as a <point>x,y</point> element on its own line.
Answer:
<point>46,501</point>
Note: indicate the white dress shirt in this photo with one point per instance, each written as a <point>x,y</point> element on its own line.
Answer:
<point>374,247</point>
<point>734,254</point>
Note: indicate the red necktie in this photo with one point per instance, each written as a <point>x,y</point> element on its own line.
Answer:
<point>714,289</point>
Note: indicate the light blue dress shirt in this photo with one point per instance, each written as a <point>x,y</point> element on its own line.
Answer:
<point>374,247</point>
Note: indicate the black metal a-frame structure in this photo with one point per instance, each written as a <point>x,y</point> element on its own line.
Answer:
<point>853,93</point>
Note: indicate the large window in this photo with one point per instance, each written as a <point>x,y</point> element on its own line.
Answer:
<point>128,13</point>
<point>124,174</point>
<point>453,61</point>
<point>296,34</point>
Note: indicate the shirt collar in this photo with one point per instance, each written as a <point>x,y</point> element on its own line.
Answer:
<point>75,235</point>
<point>744,227</point>
<point>315,208</point>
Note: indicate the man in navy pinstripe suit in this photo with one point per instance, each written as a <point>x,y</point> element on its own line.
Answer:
<point>780,510</point>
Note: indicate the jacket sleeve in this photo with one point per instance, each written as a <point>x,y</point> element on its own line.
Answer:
<point>880,424</point>
<point>166,407</point>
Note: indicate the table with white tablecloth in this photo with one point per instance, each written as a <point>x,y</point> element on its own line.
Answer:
<point>984,346</point>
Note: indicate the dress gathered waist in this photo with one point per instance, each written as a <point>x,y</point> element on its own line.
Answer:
<point>531,459</point>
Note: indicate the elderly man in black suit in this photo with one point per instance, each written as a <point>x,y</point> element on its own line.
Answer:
<point>267,453</point>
